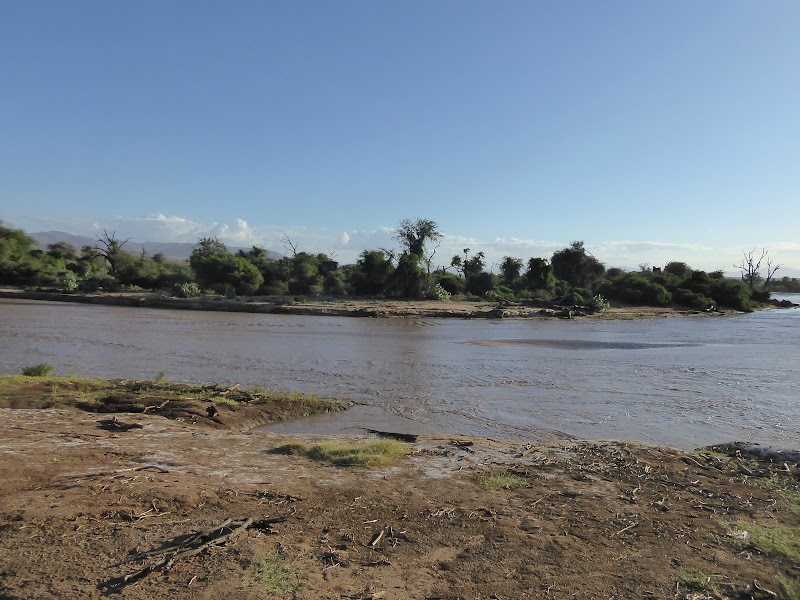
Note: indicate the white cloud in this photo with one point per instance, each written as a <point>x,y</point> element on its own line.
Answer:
<point>344,239</point>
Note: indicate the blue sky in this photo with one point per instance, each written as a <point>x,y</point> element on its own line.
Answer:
<point>652,131</point>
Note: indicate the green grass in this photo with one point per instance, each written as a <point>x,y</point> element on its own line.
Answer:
<point>40,370</point>
<point>503,481</point>
<point>274,576</point>
<point>780,542</point>
<point>790,587</point>
<point>696,583</point>
<point>376,453</point>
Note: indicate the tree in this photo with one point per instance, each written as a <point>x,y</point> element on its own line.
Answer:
<point>539,275</point>
<point>510,270</point>
<point>576,266</point>
<point>751,268</point>
<point>469,266</point>
<point>110,248</point>
<point>372,273</point>
<point>413,235</point>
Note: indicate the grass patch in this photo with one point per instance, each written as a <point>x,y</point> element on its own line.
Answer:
<point>376,453</point>
<point>696,583</point>
<point>135,395</point>
<point>780,542</point>
<point>40,370</point>
<point>789,587</point>
<point>274,576</point>
<point>503,481</point>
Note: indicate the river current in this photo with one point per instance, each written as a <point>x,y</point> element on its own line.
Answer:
<point>682,382</point>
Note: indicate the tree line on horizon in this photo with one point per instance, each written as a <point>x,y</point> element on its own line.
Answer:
<point>570,277</point>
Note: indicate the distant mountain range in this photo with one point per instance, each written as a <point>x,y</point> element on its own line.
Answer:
<point>173,250</point>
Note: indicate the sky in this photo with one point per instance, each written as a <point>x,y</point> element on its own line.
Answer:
<point>652,131</point>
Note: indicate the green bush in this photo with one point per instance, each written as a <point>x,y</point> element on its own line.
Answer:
<point>734,294</point>
<point>186,290</point>
<point>598,303</point>
<point>573,299</point>
<point>691,299</point>
<point>40,370</point>
<point>69,281</point>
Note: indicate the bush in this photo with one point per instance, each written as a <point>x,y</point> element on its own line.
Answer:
<point>69,281</point>
<point>573,299</point>
<point>691,299</point>
<point>441,293</point>
<point>40,370</point>
<point>599,304</point>
<point>186,290</point>
<point>734,294</point>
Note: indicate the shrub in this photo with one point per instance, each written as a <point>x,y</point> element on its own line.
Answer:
<point>40,370</point>
<point>186,290</point>
<point>734,294</point>
<point>69,281</point>
<point>691,299</point>
<point>598,303</point>
<point>573,299</point>
<point>441,293</point>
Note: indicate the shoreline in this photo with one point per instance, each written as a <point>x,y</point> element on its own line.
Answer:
<point>358,308</point>
<point>88,506</point>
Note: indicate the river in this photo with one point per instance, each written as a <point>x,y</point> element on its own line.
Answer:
<point>682,382</point>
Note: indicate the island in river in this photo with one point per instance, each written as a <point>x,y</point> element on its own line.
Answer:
<point>359,307</point>
<point>156,490</point>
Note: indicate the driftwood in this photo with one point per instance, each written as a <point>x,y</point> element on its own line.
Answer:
<point>115,425</point>
<point>185,546</point>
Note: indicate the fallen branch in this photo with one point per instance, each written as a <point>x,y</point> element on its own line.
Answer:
<point>183,547</point>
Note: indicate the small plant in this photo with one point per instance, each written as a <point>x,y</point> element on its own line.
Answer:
<point>599,304</point>
<point>274,576</point>
<point>40,370</point>
<point>69,281</point>
<point>504,481</point>
<point>229,291</point>
<point>696,583</point>
<point>441,294</point>
<point>186,290</point>
<point>160,376</point>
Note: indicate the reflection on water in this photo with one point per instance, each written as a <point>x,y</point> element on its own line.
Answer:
<point>680,381</point>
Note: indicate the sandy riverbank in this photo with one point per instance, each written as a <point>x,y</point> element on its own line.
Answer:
<point>375,308</point>
<point>85,503</point>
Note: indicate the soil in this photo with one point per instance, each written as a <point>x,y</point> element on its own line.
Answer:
<point>82,504</point>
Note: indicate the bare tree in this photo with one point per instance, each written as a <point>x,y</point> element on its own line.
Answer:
<point>429,255</point>
<point>751,267</point>
<point>110,248</point>
<point>288,245</point>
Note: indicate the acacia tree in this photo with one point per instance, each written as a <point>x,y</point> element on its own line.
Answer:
<point>751,268</point>
<point>414,235</point>
<point>409,280</point>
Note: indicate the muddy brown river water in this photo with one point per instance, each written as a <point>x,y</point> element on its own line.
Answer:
<point>682,382</point>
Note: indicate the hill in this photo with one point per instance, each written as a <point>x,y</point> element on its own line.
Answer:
<point>173,250</point>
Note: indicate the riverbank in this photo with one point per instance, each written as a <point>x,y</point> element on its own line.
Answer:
<point>86,504</point>
<point>374,308</point>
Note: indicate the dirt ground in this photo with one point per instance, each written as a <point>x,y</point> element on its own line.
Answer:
<point>83,505</point>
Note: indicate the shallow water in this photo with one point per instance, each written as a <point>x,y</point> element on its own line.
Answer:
<point>681,381</point>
